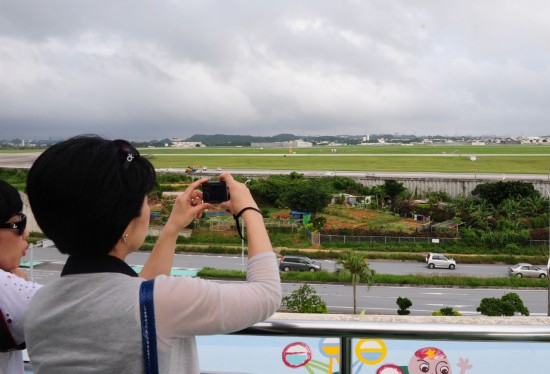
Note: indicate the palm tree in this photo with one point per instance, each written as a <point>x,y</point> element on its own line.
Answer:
<point>355,266</point>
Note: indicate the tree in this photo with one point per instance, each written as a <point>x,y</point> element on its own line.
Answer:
<point>354,265</point>
<point>379,195</point>
<point>393,189</point>
<point>304,300</point>
<point>496,192</point>
<point>307,196</point>
<point>507,305</point>
<point>404,304</point>
<point>268,191</point>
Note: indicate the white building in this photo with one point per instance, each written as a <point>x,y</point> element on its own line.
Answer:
<point>183,144</point>
<point>290,144</point>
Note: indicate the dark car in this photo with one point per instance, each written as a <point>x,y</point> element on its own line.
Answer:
<point>302,263</point>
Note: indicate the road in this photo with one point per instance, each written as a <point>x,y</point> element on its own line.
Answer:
<point>425,300</point>
<point>377,300</point>
<point>197,261</point>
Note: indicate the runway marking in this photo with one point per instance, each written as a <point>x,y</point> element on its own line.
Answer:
<point>453,306</point>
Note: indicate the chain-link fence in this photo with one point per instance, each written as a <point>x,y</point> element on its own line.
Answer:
<point>228,224</point>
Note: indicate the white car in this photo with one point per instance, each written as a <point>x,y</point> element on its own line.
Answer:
<point>219,169</point>
<point>437,260</point>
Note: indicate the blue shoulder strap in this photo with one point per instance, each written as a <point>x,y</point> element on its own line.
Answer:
<point>148,330</point>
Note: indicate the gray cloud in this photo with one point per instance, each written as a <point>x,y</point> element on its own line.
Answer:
<point>157,69</point>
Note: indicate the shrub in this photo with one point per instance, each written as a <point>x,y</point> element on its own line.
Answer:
<point>320,222</point>
<point>507,305</point>
<point>448,311</point>
<point>404,304</point>
<point>304,300</point>
<point>540,234</point>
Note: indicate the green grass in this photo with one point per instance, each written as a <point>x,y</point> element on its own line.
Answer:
<point>484,164</point>
<point>438,149</point>
<point>361,158</point>
<point>387,279</point>
<point>25,150</point>
<point>374,149</point>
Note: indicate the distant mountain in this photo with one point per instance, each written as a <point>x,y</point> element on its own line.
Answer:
<point>244,140</point>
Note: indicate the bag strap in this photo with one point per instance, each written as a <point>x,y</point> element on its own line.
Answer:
<point>7,342</point>
<point>148,330</point>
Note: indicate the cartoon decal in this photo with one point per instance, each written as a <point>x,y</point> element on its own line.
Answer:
<point>427,360</point>
<point>389,369</point>
<point>433,360</point>
<point>298,354</point>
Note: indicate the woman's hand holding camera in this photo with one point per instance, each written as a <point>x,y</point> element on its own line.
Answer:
<point>240,196</point>
<point>187,207</point>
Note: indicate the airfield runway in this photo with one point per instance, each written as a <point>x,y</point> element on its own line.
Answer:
<point>25,160</point>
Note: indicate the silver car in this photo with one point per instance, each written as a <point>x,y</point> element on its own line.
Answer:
<point>437,260</point>
<point>526,270</point>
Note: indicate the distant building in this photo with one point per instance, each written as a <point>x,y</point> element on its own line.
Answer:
<point>183,144</point>
<point>534,140</point>
<point>349,199</point>
<point>290,144</point>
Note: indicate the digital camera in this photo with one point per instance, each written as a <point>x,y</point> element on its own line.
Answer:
<point>215,192</point>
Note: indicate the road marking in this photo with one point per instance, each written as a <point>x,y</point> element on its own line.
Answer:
<point>444,293</point>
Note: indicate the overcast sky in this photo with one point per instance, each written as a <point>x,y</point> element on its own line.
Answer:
<point>154,69</point>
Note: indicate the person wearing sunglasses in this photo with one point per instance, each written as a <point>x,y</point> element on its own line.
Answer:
<point>89,195</point>
<point>15,290</point>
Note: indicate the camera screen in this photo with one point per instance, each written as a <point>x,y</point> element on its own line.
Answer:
<point>214,192</point>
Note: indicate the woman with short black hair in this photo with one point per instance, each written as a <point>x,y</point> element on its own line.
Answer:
<point>89,195</point>
<point>15,290</point>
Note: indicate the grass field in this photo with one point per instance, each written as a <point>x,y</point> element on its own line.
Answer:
<point>502,159</point>
<point>483,164</point>
<point>374,150</point>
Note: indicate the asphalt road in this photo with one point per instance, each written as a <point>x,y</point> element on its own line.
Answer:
<point>197,261</point>
<point>339,298</point>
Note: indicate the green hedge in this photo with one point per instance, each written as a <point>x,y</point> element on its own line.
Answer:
<point>388,279</point>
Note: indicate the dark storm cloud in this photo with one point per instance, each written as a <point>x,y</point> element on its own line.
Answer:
<point>156,69</point>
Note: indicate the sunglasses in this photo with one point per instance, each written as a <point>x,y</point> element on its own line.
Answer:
<point>128,150</point>
<point>19,225</point>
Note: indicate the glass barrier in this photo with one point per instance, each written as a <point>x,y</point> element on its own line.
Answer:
<point>390,346</point>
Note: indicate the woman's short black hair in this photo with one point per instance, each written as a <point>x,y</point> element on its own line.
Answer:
<point>10,201</point>
<point>84,192</point>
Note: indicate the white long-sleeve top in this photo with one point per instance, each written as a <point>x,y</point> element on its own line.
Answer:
<point>90,323</point>
<point>15,296</point>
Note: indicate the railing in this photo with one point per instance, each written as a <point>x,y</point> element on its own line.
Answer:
<point>499,339</point>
